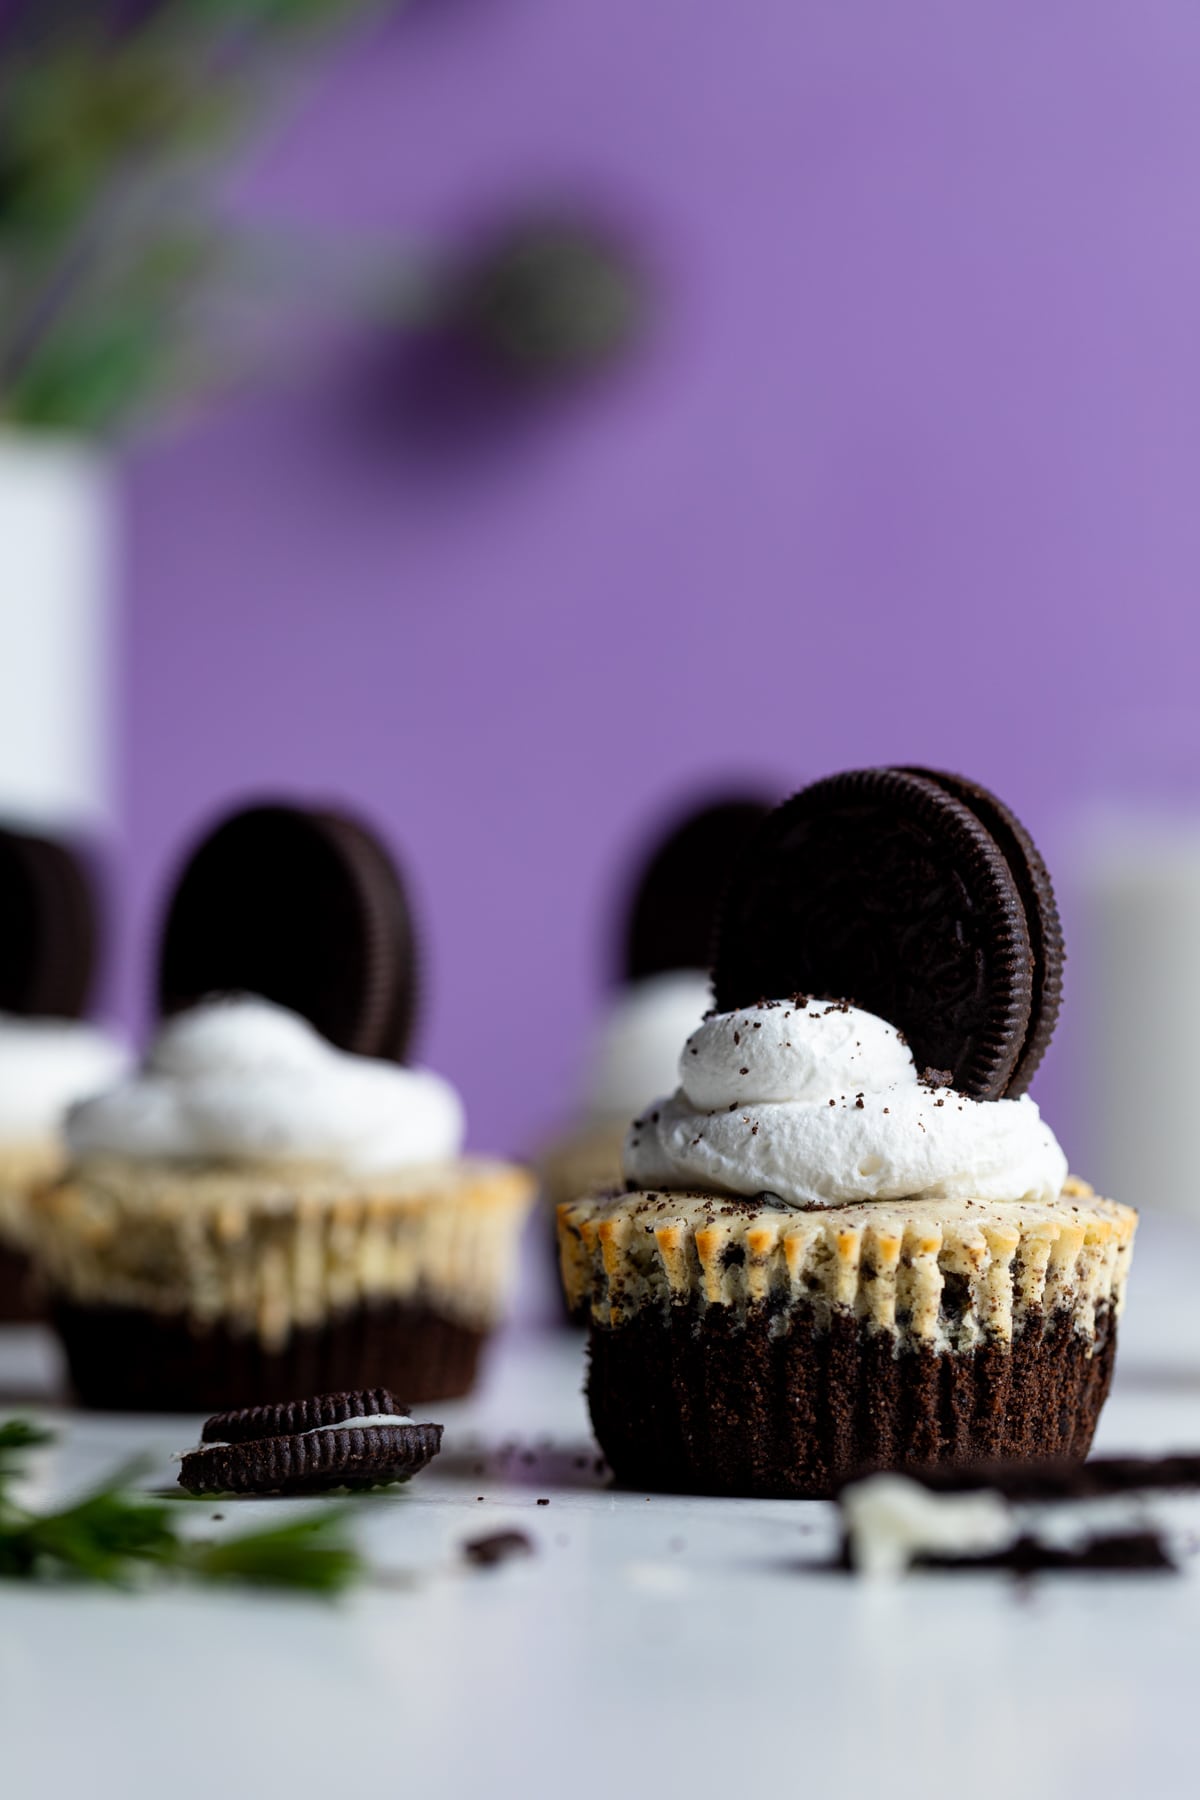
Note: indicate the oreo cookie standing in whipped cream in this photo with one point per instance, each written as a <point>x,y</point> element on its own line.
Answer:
<point>881,887</point>
<point>304,907</point>
<point>673,909</point>
<point>1041,912</point>
<point>48,928</point>
<point>356,1440</point>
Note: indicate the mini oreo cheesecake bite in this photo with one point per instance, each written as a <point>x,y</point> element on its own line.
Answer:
<point>660,993</point>
<point>273,1204</point>
<point>848,1240</point>
<point>50,1056</point>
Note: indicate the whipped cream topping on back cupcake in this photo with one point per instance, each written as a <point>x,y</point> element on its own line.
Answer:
<point>821,1103</point>
<point>635,1052</point>
<point>240,1079</point>
<point>45,1066</point>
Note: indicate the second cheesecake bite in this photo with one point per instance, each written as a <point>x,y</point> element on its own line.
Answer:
<point>259,1211</point>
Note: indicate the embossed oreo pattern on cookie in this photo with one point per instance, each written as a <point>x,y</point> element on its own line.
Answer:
<point>1041,914</point>
<point>351,1440</point>
<point>289,1418</point>
<point>882,888</point>
<point>305,907</point>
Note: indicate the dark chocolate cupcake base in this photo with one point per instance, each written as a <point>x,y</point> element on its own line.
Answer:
<point>20,1301</point>
<point>125,1360</point>
<point>719,1403</point>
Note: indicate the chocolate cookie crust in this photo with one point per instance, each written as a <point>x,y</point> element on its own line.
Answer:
<point>880,887</point>
<point>695,1400</point>
<point>124,1359</point>
<point>20,1303</point>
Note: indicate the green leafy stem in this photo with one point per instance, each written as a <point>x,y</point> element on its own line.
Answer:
<point>117,1535</point>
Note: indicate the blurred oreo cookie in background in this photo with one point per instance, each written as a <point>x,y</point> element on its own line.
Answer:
<point>674,897</point>
<point>50,936</point>
<point>49,926</point>
<point>264,888</point>
<point>664,911</point>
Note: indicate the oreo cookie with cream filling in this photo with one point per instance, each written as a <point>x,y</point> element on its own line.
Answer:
<point>883,888</point>
<point>305,907</point>
<point>350,1440</point>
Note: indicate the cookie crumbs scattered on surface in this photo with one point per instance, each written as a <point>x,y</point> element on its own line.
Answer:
<point>497,1547</point>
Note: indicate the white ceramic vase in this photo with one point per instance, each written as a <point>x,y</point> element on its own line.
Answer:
<point>58,545</point>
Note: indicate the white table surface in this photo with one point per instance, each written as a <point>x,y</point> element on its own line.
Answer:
<point>655,1646</point>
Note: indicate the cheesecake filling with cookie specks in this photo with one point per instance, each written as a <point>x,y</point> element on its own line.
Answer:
<point>821,1104</point>
<point>243,1080</point>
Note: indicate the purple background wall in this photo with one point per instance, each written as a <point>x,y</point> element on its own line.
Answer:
<point>908,470</point>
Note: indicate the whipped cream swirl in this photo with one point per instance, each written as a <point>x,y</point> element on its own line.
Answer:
<point>241,1079</point>
<point>820,1103</point>
<point>635,1051</point>
<point>45,1066</point>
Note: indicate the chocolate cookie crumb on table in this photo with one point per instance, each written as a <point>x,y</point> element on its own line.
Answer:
<point>497,1547</point>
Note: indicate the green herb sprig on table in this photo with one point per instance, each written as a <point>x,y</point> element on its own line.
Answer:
<point>115,1535</point>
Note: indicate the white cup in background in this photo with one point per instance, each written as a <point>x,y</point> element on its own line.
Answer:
<point>1139,896</point>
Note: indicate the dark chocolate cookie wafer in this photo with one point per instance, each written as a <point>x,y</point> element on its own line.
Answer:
<point>306,908</point>
<point>48,928</point>
<point>879,887</point>
<point>356,1440</point>
<point>288,1418</point>
<point>674,908</point>
<point>1041,913</point>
